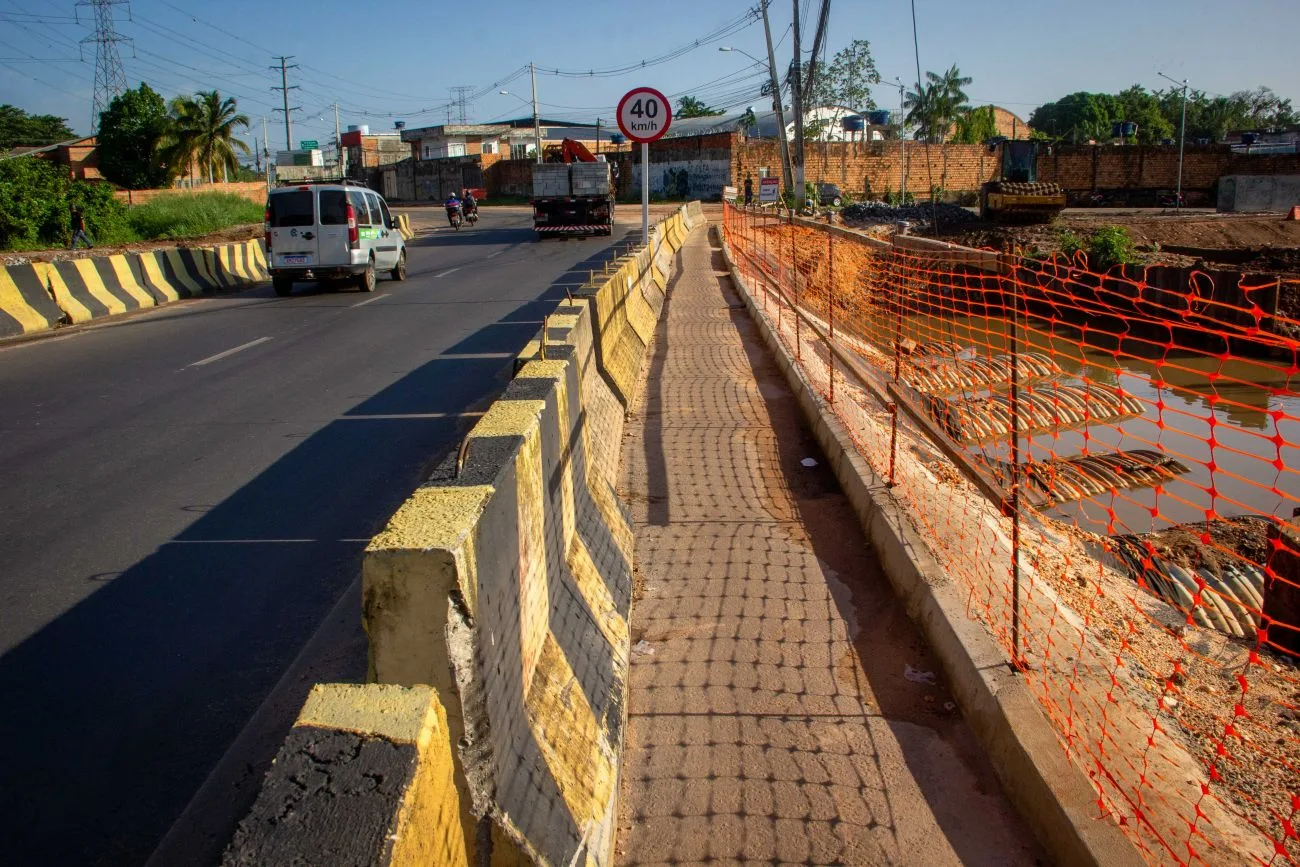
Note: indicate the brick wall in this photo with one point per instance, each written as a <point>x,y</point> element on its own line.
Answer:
<point>254,191</point>
<point>871,168</point>
<point>1107,167</point>
<point>509,177</point>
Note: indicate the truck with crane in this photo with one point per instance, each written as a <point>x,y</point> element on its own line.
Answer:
<point>573,192</point>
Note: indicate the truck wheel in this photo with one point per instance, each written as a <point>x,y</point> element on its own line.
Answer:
<point>399,272</point>
<point>282,285</point>
<point>366,279</point>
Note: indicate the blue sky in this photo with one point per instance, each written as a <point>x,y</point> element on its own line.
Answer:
<point>383,61</point>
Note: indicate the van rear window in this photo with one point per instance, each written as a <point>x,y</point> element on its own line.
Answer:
<point>291,209</point>
<point>333,207</point>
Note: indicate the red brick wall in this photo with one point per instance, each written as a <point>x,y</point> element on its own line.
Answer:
<point>1107,167</point>
<point>871,168</point>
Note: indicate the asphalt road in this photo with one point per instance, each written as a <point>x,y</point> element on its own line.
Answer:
<point>186,497</point>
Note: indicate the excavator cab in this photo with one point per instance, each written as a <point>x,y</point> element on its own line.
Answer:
<point>1017,195</point>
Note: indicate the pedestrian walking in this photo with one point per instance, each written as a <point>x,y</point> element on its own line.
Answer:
<point>749,189</point>
<point>77,222</point>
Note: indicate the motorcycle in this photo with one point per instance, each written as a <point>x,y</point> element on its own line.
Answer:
<point>455,216</point>
<point>471,215</point>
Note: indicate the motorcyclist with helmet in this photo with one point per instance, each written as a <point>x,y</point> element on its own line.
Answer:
<point>454,208</point>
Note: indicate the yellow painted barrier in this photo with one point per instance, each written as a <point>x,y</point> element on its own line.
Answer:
<point>26,305</point>
<point>409,816</point>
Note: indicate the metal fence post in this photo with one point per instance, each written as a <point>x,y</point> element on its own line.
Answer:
<point>1013,347</point>
<point>794,279</point>
<point>898,361</point>
<point>830,309</point>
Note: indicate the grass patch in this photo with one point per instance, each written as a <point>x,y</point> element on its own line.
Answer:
<point>188,215</point>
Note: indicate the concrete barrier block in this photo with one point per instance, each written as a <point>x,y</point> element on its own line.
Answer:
<point>26,303</point>
<point>511,586</point>
<point>364,777</point>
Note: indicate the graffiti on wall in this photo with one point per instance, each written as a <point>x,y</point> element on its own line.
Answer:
<point>686,179</point>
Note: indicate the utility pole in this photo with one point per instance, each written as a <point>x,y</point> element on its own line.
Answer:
<point>284,89</point>
<point>537,119</point>
<point>902,147</point>
<point>460,99</point>
<point>1182,137</point>
<point>338,143</point>
<point>110,78</point>
<point>776,103</point>
<point>796,99</point>
<point>266,153</point>
<point>597,136</point>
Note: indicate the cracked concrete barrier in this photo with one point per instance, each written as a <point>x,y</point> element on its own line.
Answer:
<point>364,777</point>
<point>502,589</point>
<point>506,585</point>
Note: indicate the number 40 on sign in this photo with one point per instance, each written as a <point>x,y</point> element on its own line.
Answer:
<point>644,114</point>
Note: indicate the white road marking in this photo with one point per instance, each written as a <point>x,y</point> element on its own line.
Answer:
<point>448,271</point>
<point>367,301</point>
<point>221,355</point>
<point>494,255</point>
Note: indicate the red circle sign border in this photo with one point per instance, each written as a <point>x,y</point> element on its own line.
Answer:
<point>668,107</point>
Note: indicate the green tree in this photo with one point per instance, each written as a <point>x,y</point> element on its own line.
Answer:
<point>130,131</point>
<point>690,106</point>
<point>201,135</point>
<point>749,122</point>
<point>1076,118</point>
<point>20,129</point>
<point>976,125</point>
<point>1144,109</point>
<point>937,103</point>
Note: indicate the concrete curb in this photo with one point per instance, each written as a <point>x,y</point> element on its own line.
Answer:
<point>1053,795</point>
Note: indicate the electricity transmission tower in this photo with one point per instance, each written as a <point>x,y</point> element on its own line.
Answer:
<point>460,99</point>
<point>284,88</point>
<point>110,77</point>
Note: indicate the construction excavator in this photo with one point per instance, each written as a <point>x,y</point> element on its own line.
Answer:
<point>1017,195</point>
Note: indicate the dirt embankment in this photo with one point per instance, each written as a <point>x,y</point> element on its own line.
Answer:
<point>1258,244</point>
<point>232,235</point>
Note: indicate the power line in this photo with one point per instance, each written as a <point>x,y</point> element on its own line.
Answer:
<point>731,28</point>
<point>110,77</point>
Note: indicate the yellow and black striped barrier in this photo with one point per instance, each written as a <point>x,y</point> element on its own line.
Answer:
<point>92,288</point>
<point>39,296</point>
<point>26,305</point>
<point>404,226</point>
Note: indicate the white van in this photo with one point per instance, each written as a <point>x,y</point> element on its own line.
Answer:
<point>328,231</point>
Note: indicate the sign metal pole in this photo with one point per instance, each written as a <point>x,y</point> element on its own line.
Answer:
<point>645,193</point>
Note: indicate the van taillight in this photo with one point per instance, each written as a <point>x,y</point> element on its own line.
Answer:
<point>266,227</point>
<point>354,237</point>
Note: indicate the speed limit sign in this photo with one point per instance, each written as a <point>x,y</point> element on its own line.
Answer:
<point>644,114</point>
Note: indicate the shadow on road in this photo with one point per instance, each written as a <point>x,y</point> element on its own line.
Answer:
<point>117,711</point>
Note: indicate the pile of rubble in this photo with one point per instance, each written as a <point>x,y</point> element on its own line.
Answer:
<point>920,217</point>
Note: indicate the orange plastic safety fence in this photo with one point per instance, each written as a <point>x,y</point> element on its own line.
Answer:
<point>1108,465</point>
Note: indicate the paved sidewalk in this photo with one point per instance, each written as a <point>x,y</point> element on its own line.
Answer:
<point>770,716</point>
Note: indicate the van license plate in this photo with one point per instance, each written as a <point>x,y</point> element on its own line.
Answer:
<point>295,260</point>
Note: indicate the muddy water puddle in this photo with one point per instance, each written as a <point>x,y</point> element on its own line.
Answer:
<point>1233,422</point>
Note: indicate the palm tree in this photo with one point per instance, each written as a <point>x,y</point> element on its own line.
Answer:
<point>937,103</point>
<point>201,134</point>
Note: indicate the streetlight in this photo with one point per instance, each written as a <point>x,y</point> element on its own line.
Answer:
<point>1182,135</point>
<point>537,130</point>
<point>741,51</point>
<point>782,140</point>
